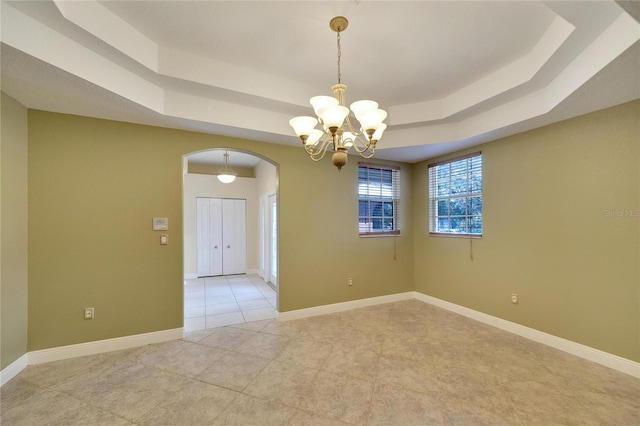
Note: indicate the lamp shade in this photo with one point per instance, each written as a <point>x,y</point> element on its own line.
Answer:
<point>314,137</point>
<point>226,178</point>
<point>319,102</point>
<point>372,119</point>
<point>359,107</point>
<point>379,131</point>
<point>334,115</point>
<point>303,125</point>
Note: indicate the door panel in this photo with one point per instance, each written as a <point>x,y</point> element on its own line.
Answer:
<point>215,206</point>
<point>203,237</point>
<point>228,237</point>
<point>240,236</point>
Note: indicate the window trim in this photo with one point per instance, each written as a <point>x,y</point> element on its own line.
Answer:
<point>395,199</point>
<point>430,201</point>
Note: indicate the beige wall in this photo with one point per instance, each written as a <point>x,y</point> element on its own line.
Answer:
<point>561,229</point>
<point>552,231</point>
<point>196,185</point>
<point>13,231</point>
<point>94,186</point>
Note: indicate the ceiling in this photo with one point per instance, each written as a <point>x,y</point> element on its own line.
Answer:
<point>451,74</point>
<point>215,157</point>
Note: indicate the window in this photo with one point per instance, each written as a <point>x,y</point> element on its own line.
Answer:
<point>378,199</point>
<point>455,196</point>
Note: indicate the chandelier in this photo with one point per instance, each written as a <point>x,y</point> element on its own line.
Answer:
<point>337,130</point>
<point>226,175</point>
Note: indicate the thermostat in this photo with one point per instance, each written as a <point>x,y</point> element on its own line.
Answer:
<point>160,224</point>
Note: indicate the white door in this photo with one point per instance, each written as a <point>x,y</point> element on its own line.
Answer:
<point>221,236</point>
<point>209,236</point>
<point>234,236</point>
<point>240,236</point>
<point>215,208</point>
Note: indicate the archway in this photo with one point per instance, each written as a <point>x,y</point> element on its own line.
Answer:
<point>216,297</point>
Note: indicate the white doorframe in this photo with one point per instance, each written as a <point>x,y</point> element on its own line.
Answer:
<point>269,237</point>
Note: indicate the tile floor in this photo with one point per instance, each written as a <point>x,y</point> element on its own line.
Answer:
<point>403,363</point>
<point>227,300</point>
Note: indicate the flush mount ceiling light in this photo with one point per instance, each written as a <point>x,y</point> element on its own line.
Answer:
<point>226,175</point>
<point>337,130</point>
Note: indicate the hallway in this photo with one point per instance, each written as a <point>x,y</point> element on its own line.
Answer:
<point>227,300</point>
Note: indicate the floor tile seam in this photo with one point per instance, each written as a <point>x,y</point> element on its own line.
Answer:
<point>309,387</point>
<point>273,401</point>
<point>519,412</point>
<point>83,402</point>
<point>254,309</point>
<point>203,381</point>
<point>444,399</point>
<point>241,328</point>
<point>311,413</point>
<point>219,313</point>
<point>81,399</point>
<point>585,406</point>
<point>237,394</point>
<point>209,346</point>
<point>40,391</point>
<point>254,378</point>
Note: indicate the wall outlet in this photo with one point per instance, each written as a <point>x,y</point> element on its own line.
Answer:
<point>514,298</point>
<point>89,313</point>
<point>350,281</point>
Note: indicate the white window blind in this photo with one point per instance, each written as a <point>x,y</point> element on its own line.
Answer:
<point>455,196</point>
<point>378,199</point>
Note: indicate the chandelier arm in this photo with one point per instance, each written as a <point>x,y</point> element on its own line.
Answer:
<point>365,155</point>
<point>318,154</point>
<point>351,128</point>
<point>361,144</point>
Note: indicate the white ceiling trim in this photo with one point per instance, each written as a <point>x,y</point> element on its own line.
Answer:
<point>500,81</point>
<point>181,85</point>
<point>105,25</point>
<point>27,34</point>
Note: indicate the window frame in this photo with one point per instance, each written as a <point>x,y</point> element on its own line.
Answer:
<point>434,198</point>
<point>394,199</point>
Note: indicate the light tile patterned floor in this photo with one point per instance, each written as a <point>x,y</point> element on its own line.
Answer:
<point>403,363</point>
<point>226,300</point>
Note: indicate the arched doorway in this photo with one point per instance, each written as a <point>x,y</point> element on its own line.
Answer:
<point>247,291</point>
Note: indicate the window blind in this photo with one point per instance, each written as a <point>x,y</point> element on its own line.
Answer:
<point>378,199</point>
<point>455,196</point>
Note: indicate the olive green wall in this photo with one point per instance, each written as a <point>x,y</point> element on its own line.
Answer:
<point>561,229</point>
<point>95,185</point>
<point>13,231</point>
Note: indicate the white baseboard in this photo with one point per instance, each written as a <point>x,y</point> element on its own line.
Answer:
<point>343,306</point>
<point>253,271</point>
<point>100,346</point>
<point>12,370</point>
<point>604,358</point>
<point>190,276</point>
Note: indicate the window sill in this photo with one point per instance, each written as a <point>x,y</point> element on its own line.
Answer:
<point>465,236</point>
<point>379,235</point>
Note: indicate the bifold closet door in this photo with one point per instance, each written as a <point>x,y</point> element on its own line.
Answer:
<point>234,236</point>
<point>209,236</point>
<point>221,236</point>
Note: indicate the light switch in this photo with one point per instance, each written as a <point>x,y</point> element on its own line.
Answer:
<point>164,239</point>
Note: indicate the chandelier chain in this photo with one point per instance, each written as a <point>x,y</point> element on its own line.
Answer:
<point>339,55</point>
